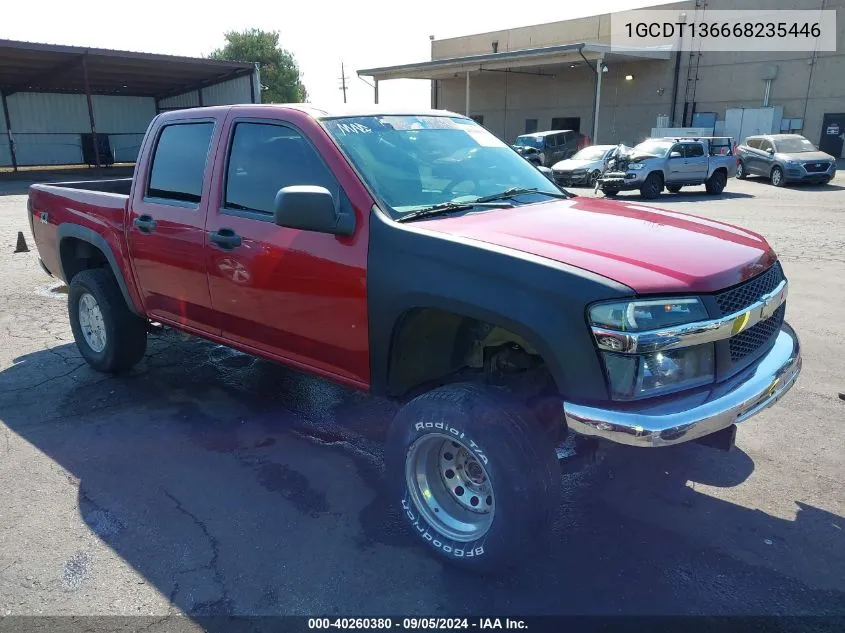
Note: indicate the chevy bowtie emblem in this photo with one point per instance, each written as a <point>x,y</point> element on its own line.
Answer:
<point>740,323</point>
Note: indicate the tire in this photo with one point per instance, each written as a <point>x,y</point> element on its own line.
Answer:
<point>593,177</point>
<point>825,181</point>
<point>505,465</point>
<point>741,172</point>
<point>776,176</point>
<point>116,339</point>
<point>652,186</point>
<point>673,188</point>
<point>610,193</point>
<point>716,183</point>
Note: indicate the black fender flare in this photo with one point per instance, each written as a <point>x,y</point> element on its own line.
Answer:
<point>85,234</point>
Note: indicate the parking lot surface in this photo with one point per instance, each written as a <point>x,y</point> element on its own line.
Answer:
<point>209,482</point>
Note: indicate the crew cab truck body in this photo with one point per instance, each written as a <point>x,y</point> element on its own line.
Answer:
<point>673,163</point>
<point>415,256</point>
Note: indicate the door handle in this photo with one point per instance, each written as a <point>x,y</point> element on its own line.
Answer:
<point>145,223</point>
<point>225,238</point>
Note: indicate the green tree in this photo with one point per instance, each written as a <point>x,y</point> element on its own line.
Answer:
<point>281,81</point>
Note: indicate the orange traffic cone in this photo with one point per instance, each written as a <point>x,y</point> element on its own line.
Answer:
<point>21,246</point>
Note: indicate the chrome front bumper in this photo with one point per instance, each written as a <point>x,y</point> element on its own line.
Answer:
<point>690,416</point>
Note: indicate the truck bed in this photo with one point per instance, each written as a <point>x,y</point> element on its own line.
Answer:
<point>120,186</point>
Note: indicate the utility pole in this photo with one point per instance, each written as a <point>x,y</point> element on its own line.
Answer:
<point>343,79</point>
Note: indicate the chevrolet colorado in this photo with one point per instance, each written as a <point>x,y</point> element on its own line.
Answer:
<point>415,256</point>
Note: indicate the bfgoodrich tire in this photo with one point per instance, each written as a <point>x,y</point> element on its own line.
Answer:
<point>476,476</point>
<point>109,336</point>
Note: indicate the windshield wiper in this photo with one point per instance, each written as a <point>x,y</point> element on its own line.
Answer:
<point>516,191</point>
<point>450,207</point>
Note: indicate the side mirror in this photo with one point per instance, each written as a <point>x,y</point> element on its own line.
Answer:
<point>311,208</point>
<point>674,154</point>
<point>770,151</point>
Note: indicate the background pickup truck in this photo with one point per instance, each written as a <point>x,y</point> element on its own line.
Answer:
<point>417,257</point>
<point>671,163</point>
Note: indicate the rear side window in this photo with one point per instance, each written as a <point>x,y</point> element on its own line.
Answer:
<point>753,143</point>
<point>265,158</point>
<point>693,150</point>
<point>179,161</point>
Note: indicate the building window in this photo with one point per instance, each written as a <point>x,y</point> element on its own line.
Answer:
<point>478,118</point>
<point>530,126</point>
<point>567,123</point>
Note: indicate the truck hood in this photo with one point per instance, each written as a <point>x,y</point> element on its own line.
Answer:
<point>649,250</point>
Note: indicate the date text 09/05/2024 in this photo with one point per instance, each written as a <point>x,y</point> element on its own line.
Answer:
<point>417,623</point>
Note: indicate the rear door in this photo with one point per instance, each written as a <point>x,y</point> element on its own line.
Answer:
<point>166,230</point>
<point>750,155</point>
<point>695,162</point>
<point>294,295</point>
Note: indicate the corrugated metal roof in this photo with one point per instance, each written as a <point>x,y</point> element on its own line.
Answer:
<point>36,67</point>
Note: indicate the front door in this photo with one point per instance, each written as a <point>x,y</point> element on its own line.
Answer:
<point>675,168</point>
<point>166,232</point>
<point>833,135</point>
<point>298,296</point>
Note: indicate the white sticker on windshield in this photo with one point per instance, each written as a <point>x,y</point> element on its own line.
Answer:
<point>352,128</point>
<point>483,137</point>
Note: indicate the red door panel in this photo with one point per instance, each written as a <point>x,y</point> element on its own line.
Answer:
<point>292,295</point>
<point>166,230</point>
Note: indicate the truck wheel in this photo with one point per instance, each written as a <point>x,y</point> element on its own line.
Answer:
<point>716,183</point>
<point>776,177</point>
<point>673,188</point>
<point>741,173</point>
<point>109,336</point>
<point>652,186</point>
<point>476,475</point>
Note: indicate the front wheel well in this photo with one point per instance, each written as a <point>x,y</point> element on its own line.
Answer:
<point>431,347</point>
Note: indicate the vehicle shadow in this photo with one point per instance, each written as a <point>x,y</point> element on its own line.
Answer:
<point>832,187</point>
<point>238,487</point>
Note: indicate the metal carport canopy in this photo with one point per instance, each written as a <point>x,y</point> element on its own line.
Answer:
<point>535,58</point>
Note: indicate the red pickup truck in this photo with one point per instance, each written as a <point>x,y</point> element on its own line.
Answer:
<point>415,256</point>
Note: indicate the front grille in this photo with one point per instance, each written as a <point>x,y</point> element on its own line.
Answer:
<point>755,337</point>
<point>815,168</point>
<point>741,296</point>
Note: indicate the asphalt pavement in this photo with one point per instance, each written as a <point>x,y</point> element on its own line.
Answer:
<point>207,482</point>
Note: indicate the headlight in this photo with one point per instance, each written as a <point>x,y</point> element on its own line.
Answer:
<point>633,376</point>
<point>636,166</point>
<point>651,314</point>
<point>793,163</point>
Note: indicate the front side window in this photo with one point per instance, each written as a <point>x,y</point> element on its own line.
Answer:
<point>264,158</point>
<point>413,162</point>
<point>798,145</point>
<point>765,145</point>
<point>179,162</point>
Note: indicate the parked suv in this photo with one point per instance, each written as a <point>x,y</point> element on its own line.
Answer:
<point>547,148</point>
<point>784,158</point>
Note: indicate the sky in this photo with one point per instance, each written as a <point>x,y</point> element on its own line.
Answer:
<point>321,35</point>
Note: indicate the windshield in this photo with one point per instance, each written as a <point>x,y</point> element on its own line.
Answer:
<point>655,148</point>
<point>529,141</point>
<point>414,162</point>
<point>596,152</point>
<point>794,146</point>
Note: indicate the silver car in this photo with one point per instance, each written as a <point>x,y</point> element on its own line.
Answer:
<point>583,168</point>
<point>784,158</point>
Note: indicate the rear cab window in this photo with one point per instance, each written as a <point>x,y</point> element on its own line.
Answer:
<point>179,162</point>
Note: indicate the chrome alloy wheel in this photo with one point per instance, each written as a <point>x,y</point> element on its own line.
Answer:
<point>91,323</point>
<point>450,487</point>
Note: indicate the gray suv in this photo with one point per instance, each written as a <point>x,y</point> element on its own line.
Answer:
<point>547,148</point>
<point>784,158</point>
